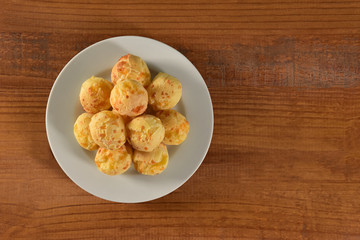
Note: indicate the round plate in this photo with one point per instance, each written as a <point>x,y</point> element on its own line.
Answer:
<point>64,107</point>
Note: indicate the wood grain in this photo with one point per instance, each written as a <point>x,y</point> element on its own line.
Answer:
<point>285,84</point>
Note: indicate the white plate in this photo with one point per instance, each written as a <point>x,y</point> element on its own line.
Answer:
<point>63,108</point>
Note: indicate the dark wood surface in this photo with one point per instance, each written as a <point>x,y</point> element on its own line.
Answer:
<point>284,78</point>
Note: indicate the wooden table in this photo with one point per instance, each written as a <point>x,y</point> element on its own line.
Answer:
<point>284,162</point>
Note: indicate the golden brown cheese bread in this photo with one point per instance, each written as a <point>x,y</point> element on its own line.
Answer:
<point>95,94</point>
<point>108,130</point>
<point>129,98</point>
<point>131,67</point>
<point>145,132</point>
<point>164,92</point>
<point>113,162</point>
<point>151,163</point>
<point>82,132</point>
<point>176,126</point>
